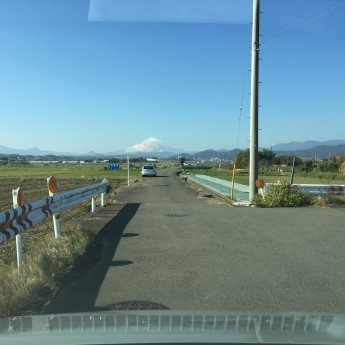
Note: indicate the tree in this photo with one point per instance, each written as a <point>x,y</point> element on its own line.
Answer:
<point>307,166</point>
<point>266,156</point>
<point>286,160</point>
<point>332,164</point>
<point>242,159</point>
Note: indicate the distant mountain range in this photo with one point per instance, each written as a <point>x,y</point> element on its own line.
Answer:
<point>34,151</point>
<point>321,151</point>
<point>153,147</point>
<point>227,155</point>
<point>305,145</point>
<point>147,148</point>
<point>307,149</point>
<point>311,149</point>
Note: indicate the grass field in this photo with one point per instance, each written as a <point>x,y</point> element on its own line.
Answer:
<point>65,170</point>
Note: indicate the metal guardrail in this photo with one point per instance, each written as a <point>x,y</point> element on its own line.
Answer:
<point>21,218</point>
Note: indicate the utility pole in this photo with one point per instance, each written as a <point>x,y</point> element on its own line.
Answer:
<point>254,103</point>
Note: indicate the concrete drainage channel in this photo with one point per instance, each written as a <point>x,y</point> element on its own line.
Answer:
<point>221,188</point>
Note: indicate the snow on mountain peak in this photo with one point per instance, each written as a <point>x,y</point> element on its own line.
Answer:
<point>151,144</point>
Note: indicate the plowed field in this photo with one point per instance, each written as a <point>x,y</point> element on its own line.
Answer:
<point>35,188</point>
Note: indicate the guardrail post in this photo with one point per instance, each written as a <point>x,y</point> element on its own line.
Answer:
<point>52,188</point>
<point>93,204</point>
<point>17,195</point>
<point>103,200</point>
<point>57,225</point>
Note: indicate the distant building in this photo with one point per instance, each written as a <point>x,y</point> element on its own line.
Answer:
<point>153,160</point>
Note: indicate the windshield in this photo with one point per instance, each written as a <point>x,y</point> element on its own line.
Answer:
<point>94,92</point>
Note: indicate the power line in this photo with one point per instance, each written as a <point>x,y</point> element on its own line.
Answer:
<point>312,16</point>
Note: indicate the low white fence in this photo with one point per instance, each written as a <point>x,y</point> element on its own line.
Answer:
<point>23,216</point>
<point>318,188</point>
<point>321,188</point>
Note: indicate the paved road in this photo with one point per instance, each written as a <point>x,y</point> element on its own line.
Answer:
<point>163,243</point>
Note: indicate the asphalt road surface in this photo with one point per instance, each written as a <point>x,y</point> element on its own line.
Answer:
<point>166,244</point>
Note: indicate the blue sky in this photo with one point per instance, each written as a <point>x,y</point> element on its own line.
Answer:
<point>78,76</point>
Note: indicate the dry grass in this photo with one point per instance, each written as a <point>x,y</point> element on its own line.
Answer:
<point>43,270</point>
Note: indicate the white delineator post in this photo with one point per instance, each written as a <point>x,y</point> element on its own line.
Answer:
<point>128,170</point>
<point>17,195</point>
<point>52,188</point>
<point>103,198</point>
<point>93,204</point>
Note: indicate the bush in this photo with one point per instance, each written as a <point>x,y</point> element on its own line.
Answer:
<point>282,195</point>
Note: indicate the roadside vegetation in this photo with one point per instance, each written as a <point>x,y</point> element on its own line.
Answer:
<point>283,195</point>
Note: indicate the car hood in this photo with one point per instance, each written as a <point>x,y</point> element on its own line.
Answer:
<point>165,326</point>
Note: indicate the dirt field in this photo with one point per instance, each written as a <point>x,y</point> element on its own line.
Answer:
<point>34,189</point>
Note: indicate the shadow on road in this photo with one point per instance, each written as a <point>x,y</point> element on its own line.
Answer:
<point>130,234</point>
<point>121,263</point>
<point>80,294</point>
